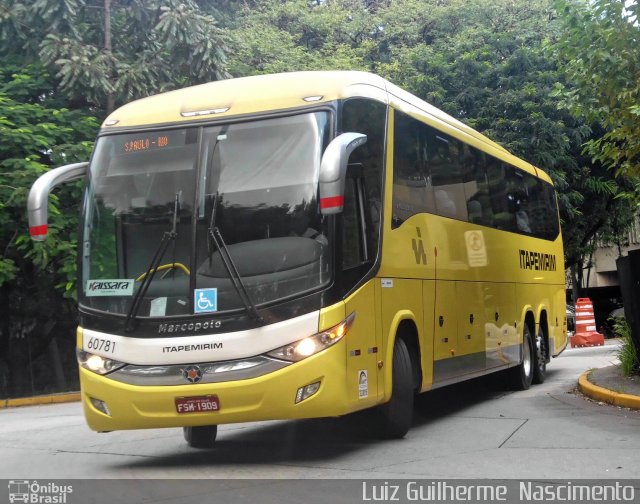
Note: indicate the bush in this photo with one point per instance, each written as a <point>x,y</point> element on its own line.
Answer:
<point>627,352</point>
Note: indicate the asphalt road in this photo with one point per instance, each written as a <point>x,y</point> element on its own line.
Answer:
<point>471,431</point>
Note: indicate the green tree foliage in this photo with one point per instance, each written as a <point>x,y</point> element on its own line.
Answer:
<point>481,61</point>
<point>600,50</point>
<point>107,52</point>
<point>491,63</point>
<point>273,36</point>
<point>495,70</point>
<point>36,133</point>
<point>64,62</point>
<point>488,63</point>
<point>602,210</point>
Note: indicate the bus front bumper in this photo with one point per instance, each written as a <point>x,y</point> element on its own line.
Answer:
<point>268,397</point>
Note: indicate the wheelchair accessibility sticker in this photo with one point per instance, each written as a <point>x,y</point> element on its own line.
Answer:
<point>205,300</point>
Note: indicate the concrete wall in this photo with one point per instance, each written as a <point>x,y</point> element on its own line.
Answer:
<point>603,271</point>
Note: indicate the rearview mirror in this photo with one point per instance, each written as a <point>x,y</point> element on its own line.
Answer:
<point>38,201</point>
<point>333,171</point>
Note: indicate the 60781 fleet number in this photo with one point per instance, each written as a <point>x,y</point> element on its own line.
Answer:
<point>101,345</point>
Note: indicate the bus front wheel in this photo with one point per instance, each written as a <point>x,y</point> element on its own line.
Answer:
<point>522,375</point>
<point>394,418</point>
<point>201,437</point>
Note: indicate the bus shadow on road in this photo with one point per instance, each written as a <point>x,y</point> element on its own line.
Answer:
<point>325,439</point>
<point>454,399</point>
<point>295,441</point>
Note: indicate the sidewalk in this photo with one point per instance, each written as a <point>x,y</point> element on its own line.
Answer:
<point>43,399</point>
<point>610,386</point>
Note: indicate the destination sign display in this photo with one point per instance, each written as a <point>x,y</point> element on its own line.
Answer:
<point>144,142</point>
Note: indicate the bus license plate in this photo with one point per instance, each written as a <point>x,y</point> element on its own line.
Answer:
<point>200,404</point>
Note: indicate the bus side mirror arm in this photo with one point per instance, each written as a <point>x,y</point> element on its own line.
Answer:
<point>38,201</point>
<point>333,171</point>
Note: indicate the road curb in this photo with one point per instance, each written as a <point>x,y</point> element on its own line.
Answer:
<point>32,401</point>
<point>606,395</point>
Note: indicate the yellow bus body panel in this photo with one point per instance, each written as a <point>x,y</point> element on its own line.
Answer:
<point>465,286</point>
<point>267,397</point>
<point>242,96</point>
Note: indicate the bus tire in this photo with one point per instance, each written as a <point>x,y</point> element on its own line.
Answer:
<point>394,418</point>
<point>522,375</point>
<point>201,437</point>
<point>540,358</point>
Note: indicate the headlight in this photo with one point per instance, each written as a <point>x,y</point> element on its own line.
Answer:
<point>96,363</point>
<point>311,345</point>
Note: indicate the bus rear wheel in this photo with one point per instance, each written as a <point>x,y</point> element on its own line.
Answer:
<point>522,375</point>
<point>201,437</point>
<point>540,358</point>
<point>393,419</point>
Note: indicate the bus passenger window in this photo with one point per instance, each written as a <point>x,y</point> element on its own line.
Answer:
<point>518,198</point>
<point>476,190</point>
<point>543,213</point>
<point>446,162</point>
<point>522,220</point>
<point>503,216</point>
<point>412,189</point>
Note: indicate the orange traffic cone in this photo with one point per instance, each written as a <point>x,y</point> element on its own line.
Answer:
<point>586,333</point>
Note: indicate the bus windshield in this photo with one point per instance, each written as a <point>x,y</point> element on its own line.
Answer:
<point>252,184</point>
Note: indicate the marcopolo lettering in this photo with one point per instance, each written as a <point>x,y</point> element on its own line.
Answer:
<point>537,261</point>
<point>192,348</point>
<point>189,327</point>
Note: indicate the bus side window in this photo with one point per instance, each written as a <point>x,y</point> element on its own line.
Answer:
<point>446,162</point>
<point>518,198</point>
<point>370,118</point>
<point>553,226</point>
<point>543,212</point>
<point>352,252</point>
<point>477,190</point>
<point>497,174</point>
<point>412,188</point>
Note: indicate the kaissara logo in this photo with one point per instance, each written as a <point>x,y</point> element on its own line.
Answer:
<point>37,493</point>
<point>110,287</point>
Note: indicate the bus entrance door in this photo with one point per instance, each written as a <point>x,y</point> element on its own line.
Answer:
<point>363,348</point>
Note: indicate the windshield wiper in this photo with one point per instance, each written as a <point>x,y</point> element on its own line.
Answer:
<point>167,237</point>
<point>229,265</point>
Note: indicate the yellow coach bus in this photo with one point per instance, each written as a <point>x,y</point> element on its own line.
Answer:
<point>303,245</point>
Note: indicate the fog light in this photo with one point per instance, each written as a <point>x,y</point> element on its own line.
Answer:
<point>307,391</point>
<point>101,406</point>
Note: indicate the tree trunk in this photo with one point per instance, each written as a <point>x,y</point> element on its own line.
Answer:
<point>590,266</point>
<point>108,47</point>
<point>56,365</point>
<point>575,283</point>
